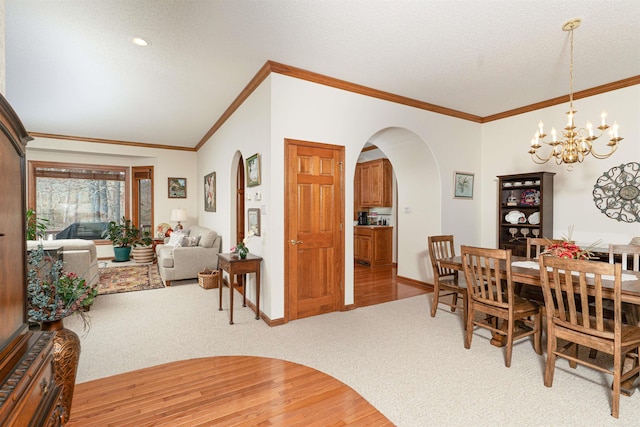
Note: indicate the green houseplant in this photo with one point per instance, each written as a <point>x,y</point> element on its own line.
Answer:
<point>123,235</point>
<point>36,227</point>
<point>142,251</point>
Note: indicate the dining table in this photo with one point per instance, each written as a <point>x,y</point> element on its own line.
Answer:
<point>527,271</point>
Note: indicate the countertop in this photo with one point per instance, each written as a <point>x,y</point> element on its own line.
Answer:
<point>373,226</point>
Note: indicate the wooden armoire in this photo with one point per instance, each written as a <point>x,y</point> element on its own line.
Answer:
<point>29,395</point>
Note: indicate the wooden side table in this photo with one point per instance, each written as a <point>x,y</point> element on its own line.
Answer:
<point>235,266</point>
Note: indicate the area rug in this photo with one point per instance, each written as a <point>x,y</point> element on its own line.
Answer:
<point>129,278</point>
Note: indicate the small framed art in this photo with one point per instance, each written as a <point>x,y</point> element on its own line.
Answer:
<point>210,192</point>
<point>177,188</point>
<point>463,185</point>
<point>254,220</point>
<point>253,170</point>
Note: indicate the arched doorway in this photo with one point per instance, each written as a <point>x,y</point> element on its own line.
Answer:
<point>417,199</point>
<point>240,200</point>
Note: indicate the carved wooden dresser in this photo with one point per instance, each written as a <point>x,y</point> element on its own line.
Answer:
<point>29,395</point>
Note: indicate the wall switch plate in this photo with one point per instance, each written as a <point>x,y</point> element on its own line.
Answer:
<point>407,209</point>
<point>249,196</point>
<point>258,196</point>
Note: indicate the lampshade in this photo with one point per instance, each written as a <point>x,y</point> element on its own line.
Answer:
<point>178,215</point>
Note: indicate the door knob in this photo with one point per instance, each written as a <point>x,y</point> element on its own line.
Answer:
<point>295,242</point>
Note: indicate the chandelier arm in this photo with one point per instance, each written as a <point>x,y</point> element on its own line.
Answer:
<point>541,161</point>
<point>604,156</point>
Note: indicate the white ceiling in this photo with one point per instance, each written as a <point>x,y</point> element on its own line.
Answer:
<point>72,70</point>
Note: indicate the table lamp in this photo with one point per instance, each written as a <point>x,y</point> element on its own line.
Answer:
<point>178,215</point>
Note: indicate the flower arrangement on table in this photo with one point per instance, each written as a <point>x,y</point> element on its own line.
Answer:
<point>568,249</point>
<point>241,249</point>
<point>53,293</point>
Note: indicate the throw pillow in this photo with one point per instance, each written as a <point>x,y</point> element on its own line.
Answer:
<point>175,239</point>
<point>206,240</point>
<point>190,241</point>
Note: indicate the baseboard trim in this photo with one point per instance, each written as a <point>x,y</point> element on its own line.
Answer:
<point>425,285</point>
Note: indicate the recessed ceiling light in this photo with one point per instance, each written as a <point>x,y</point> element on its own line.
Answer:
<point>139,41</point>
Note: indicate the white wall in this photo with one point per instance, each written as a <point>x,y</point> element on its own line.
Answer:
<point>166,163</point>
<point>504,151</point>
<point>246,132</point>
<point>285,107</point>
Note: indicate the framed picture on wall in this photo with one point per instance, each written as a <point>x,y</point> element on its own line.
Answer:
<point>463,185</point>
<point>210,192</point>
<point>254,221</point>
<point>253,170</point>
<point>177,188</point>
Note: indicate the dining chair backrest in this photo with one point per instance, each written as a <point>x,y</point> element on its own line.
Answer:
<point>626,251</point>
<point>568,284</point>
<point>488,275</point>
<point>537,245</point>
<point>441,247</point>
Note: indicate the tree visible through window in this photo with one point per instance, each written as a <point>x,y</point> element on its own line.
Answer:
<point>78,200</point>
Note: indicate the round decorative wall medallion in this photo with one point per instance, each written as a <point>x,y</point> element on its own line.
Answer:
<point>617,193</point>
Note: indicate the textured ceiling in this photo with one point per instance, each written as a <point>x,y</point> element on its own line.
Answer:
<point>72,70</point>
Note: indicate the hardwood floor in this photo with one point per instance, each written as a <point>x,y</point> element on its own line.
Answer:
<point>221,391</point>
<point>238,390</point>
<point>376,285</point>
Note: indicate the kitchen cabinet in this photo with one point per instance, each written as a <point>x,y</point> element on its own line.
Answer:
<point>357,204</point>
<point>373,245</point>
<point>525,209</point>
<point>375,186</point>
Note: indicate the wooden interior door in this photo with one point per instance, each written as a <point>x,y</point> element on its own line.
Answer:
<point>314,217</point>
<point>240,201</point>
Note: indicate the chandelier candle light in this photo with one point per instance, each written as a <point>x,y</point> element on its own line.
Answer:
<point>575,144</point>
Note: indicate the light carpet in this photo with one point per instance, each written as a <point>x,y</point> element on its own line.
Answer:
<point>128,278</point>
<point>411,367</point>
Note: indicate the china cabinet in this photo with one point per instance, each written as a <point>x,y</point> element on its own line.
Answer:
<point>525,209</point>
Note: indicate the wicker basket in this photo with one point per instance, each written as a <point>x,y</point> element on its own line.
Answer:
<point>208,279</point>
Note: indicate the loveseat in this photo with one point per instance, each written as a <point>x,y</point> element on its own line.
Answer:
<point>184,255</point>
<point>79,256</point>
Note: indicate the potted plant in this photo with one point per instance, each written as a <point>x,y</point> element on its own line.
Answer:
<point>142,250</point>
<point>36,227</point>
<point>123,235</point>
<point>52,295</point>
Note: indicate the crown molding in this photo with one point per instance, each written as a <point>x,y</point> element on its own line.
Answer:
<point>631,81</point>
<point>109,141</point>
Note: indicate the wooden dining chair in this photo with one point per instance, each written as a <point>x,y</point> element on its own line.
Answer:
<point>491,292</point>
<point>630,311</point>
<point>446,281</point>
<point>565,282</point>
<point>535,246</point>
<point>626,251</point>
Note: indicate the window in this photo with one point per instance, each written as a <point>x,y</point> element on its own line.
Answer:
<point>78,200</point>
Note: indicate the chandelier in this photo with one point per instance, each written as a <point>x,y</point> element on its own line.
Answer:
<point>573,144</point>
